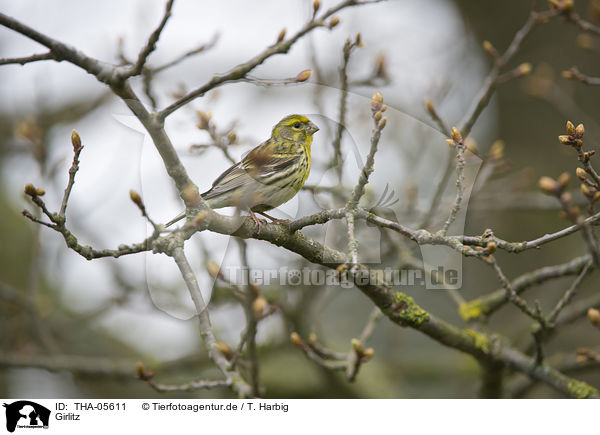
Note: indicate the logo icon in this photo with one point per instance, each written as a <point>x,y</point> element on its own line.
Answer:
<point>26,414</point>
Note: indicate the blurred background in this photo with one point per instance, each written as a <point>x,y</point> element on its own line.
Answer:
<point>73,328</point>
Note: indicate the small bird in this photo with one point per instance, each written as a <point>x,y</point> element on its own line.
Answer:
<point>269,175</point>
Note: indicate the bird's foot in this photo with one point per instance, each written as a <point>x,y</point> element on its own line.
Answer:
<point>256,221</point>
<point>275,220</point>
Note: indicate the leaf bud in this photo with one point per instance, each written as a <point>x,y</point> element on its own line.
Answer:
<point>295,339</point>
<point>594,316</point>
<point>303,75</point>
<point>585,190</point>
<point>456,136</point>
<point>563,179</point>
<point>75,140</point>
<point>259,306</point>
<point>224,349</point>
<point>281,35</point>
<point>548,185</point>
<point>30,190</point>
<point>136,198</point>
<point>376,102</point>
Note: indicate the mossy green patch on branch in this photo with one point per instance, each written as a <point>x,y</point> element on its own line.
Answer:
<point>480,340</point>
<point>581,390</point>
<point>407,310</point>
<point>470,310</point>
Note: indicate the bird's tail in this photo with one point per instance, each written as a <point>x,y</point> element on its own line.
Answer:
<point>175,219</point>
<point>182,214</point>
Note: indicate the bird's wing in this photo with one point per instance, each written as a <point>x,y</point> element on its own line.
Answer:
<point>229,180</point>
<point>258,165</point>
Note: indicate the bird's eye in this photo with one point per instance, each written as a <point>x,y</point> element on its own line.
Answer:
<point>296,125</point>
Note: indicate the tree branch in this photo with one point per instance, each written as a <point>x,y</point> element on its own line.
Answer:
<point>151,44</point>
<point>240,71</point>
<point>233,377</point>
<point>28,59</point>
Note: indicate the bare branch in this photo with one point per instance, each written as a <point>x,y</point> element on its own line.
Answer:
<point>90,253</point>
<point>480,102</point>
<point>580,22</point>
<point>318,354</point>
<point>250,298</point>
<point>483,97</point>
<point>488,304</point>
<point>200,49</point>
<point>568,295</point>
<point>151,44</point>
<point>240,71</point>
<point>352,242</point>
<point>27,59</point>
<point>367,170</point>
<point>369,328</point>
<point>94,366</point>
<point>513,297</point>
<point>536,243</point>
<point>460,178</point>
<point>102,71</point>
<point>188,386</point>
<point>77,147</point>
<point>237,383</point>
<point>574,74</point>
<point>337,161</point>
<point>301,77</point>
<point>436,117</point>
<point>578,310</point>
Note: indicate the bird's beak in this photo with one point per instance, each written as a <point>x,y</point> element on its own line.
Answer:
<point>312,128</point>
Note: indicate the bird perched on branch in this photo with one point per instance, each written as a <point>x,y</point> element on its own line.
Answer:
<point>269,175</point>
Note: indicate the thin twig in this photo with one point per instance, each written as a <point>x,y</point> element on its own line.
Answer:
<point>352,242</point>
<point>479,103</point>
<point>574,73</point>
<point>535,243</point>
<point>86,365</point>
<point>483,96</point>
<point>568,295</point>
<point>237,383</point>
<point>367,170</point>
<point>337,161</point>
<point>351,208</point>
<point>460,181</point>
<point>77,147</point>
<point>519,302</point>
<point>324,352</point>
<point>240,71</point>
<point>318,357</point>
<point>270,82</point>
<point>188,386</point>
<point>200,49</point>
<point>431,109</point>
<point>488,304</point>
<point>151,43</point>
<point>577,310</point>
<point>464,244</point>
<point>27,59</point>
<point>250,297</point>
<point>369,328</point>
<point>103,72</point>
<point>581,23</point>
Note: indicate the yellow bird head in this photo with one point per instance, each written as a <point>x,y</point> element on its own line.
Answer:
<point>297,128</point>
